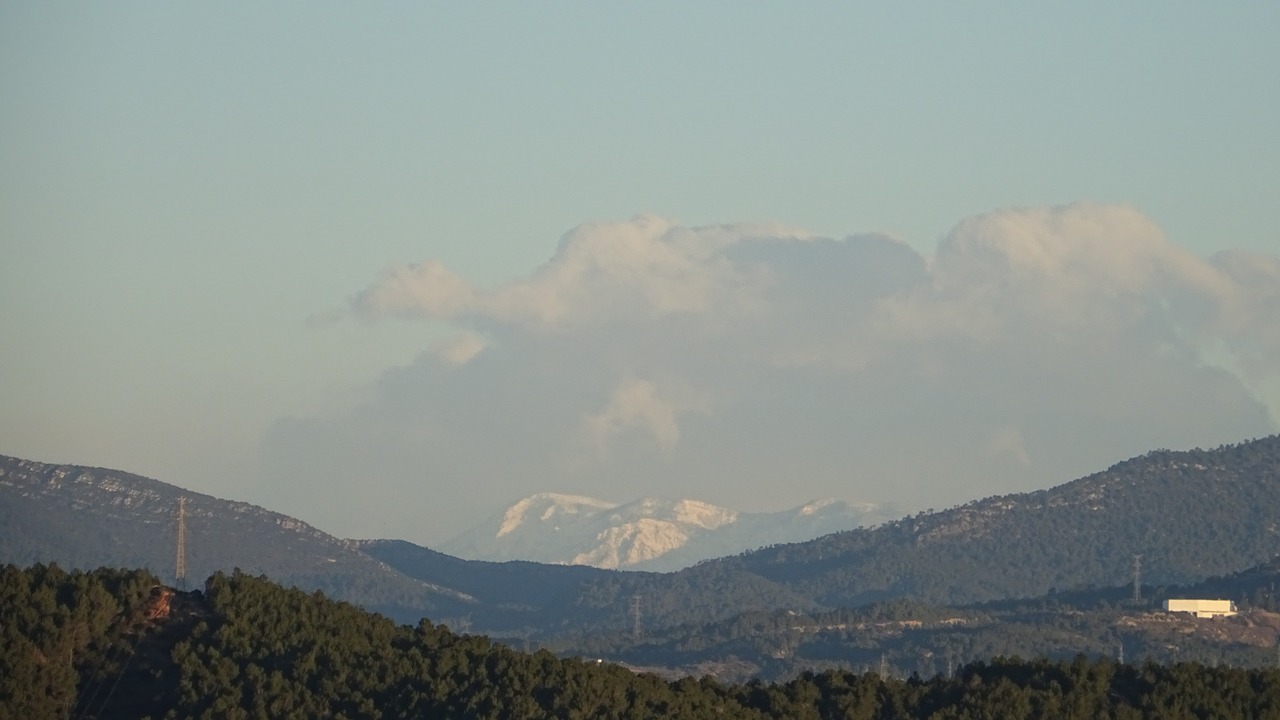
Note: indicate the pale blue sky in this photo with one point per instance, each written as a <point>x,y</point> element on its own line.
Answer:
<point>192,196</point>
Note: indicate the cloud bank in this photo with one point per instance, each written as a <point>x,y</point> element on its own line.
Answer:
<point>757,366</point>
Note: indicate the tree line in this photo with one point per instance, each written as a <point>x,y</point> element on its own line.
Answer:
<point>115,644</point>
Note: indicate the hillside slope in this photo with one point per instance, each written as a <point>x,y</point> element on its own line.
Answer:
<point>81,517</point>
<point>113,644</point>
<point>1189,515</point>
<point>910,636</point>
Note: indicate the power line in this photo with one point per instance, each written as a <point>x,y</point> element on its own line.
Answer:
<point>110,657</point>
<point>98,679</point>
<point>133,647</point>
<point>635,617</point>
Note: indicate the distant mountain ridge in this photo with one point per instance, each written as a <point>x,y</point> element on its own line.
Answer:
<point>84,517</point>
<point>1190,514</point>
<point>654,534</point>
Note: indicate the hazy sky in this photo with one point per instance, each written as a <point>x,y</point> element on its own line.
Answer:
<point>389,267</point>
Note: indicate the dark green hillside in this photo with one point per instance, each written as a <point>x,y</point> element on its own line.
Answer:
<point>536,601</point>
<point>1189,514</point>
<point>906,636</point>
<point>63,635</point>
<point>515,583</point>
<point>110,644</point>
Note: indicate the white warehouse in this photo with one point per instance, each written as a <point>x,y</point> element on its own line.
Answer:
<point>1201,608</point>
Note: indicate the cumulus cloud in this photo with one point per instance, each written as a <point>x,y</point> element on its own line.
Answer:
<point>643,269</point>
<point>758,366</point>
<point>1247,317</point>
<point>459,349</point>
<point>1007,441</point>
<point>1080,268</point>
<point>640,405</point>
<point>427,289</point>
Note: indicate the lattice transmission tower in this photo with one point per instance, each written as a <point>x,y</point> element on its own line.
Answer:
<point>635,617</point>
<point>1137,578</point>
<point>180,563</point>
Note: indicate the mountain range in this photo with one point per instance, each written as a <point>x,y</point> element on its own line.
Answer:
<point>658,534</point>
<point>1190,515</point>
<point>84,517</point>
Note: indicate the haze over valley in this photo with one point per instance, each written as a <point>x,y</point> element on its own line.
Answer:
<point>815,346</point>
<point>392,272</point>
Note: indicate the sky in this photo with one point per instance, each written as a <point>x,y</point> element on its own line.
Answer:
<point>391,267</point>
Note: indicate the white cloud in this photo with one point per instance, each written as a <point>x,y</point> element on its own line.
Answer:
<point>756,365</point>
<point>1250,318</point>
<point>426,289</point>
<point>645,268</point>
<point>460,349</point>
<point>1088,268</point>
<point>1007,441</point>
<point>638,404</point>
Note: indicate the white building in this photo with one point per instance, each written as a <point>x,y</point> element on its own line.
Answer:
<point>1201,608</point>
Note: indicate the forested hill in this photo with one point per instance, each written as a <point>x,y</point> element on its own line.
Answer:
<point>113,644</point>
<point>915,637</point>
<point>1188,514</point>
<point>83,517</point>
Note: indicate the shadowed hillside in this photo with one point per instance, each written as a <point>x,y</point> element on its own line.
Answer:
<point>112,644</point>
<point>83,517</point>
<point>1191,515</point>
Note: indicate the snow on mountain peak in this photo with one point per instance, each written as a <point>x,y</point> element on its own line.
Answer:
<point>704,515</point>
<point>651,533</point>
<point>633,543</point>
<point>548,506</point>
<point>816,506</point>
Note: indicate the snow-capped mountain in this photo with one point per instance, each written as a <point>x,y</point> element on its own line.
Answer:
<point>649,534</point>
